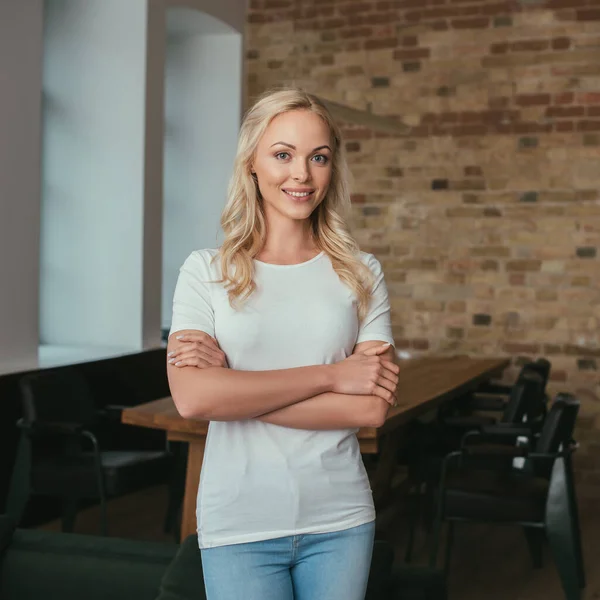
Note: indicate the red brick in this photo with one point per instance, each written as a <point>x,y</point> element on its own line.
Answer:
<point>420,344</point>
<point>529,45</point>
<point>516,348</point>
<point>381,44</point>
<point>474,23</point>
<point>496,10</point>
<point>499,48</point>
<point>409,41</point>
<point>588,126</point>
<point>556,375</point>
<point>561,43</point>
<point>333,23</point>
<point>439,26</point>
<point>554,4</point>
<point>473,172</point>
<point>524,265</point>
<point>357,134</point>
<point>533,99</point>
<point>588,14</point>
<point>357,198</point>
<point>413,16</point>
<point>589,98</point>
<point>564,126</point>
<point>516,279</point>
<point>475,129</point>
<point>593,111</point>
<point>278,4</point>
<point>526,127</point>
<point>564,98</point>
<point>499,102</point>
<point>412,54</point>
<point>565,111</point>
<point>373,19</point>
<point>356,32</point>
<point>259,18</point>
<point>353,7</point>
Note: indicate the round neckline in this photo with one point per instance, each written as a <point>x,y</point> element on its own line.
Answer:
<point>302,264</point>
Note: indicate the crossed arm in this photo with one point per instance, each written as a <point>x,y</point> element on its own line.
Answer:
<point>330,410</point>
<point>307,406</point>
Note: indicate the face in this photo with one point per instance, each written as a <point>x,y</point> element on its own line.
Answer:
<point>293,164</point>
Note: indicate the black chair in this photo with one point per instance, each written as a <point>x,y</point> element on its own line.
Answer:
<point>60,455</point>
<point>496,398</point>
<point>526,401</point>
<point>539,496</point>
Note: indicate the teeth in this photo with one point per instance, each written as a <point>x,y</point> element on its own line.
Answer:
<point>299,194</point>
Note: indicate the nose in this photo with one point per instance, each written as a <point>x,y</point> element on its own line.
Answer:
<point>300,172</point>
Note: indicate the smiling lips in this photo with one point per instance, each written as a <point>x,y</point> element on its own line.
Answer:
<point>299,194</point>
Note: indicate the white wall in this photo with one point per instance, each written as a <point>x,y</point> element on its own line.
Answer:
<point>93,172</point>
<point>20,123</point>
<point>203,109</point>
<point>103,177</point>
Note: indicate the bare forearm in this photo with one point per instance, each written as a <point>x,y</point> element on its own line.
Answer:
<point>220,394</point>
<point>330,411</point>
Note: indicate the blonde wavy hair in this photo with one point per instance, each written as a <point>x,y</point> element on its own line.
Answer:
<point>243,218</point>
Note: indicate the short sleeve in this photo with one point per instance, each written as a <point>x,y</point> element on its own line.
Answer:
<point>192,304</point>
<point>377,324</point>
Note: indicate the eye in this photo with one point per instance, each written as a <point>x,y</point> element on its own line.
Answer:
<point>282,155</point>
<point>321,159</point>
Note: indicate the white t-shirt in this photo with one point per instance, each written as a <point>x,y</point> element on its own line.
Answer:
<point>262,481</point>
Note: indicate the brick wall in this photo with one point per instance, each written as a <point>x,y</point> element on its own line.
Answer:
<point>486,213</point>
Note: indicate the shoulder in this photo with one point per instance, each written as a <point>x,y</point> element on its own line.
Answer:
<point>371,262</point>
<point>202,263</point>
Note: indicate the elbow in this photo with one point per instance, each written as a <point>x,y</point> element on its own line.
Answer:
<point>378,413</point>
<point>189,408</point>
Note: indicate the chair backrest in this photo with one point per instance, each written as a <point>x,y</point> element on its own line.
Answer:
<point>526,398</point>
<point>557,431</point>
<point>543,367</point>
<point>57,395</point>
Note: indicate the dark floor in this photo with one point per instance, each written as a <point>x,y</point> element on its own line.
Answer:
<point>489,563</point>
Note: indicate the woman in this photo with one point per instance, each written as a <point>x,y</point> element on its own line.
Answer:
<point>286,322</point>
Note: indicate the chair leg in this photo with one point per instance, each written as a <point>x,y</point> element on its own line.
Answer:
<point>435,542</point>
<point>449,544</point>
<point>535,542</point>
<point>69,514</point>
<point>574,510</point>
<point>103,515</point>
<point>562,545</point>
<point>413,517</point>
<point>176,491</point>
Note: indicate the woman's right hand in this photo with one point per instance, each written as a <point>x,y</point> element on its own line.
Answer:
<point>367,373</point>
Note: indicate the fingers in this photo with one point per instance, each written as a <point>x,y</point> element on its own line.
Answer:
<point>194,354</point>
<point>391,366</point>
<point>193,362</point>
<point>387,384</point>
<point>376,350</point>
<point>388,375</point>
<point>197,336</point>
<point>203,348</point>
<point>388,396</point>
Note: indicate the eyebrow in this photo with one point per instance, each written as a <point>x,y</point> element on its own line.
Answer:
<point>294,147</point>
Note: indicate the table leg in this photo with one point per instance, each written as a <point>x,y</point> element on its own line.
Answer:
<point>382,477</point>
<point>192,481</point>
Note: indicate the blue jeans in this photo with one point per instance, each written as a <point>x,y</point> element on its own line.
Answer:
<point>323,566</point>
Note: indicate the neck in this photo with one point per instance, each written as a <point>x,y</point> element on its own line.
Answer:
<point>288,239</point>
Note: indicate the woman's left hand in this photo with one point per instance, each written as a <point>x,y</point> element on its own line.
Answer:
<point>198,350</point>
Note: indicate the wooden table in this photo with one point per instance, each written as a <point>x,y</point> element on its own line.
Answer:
<point>424,384</point>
